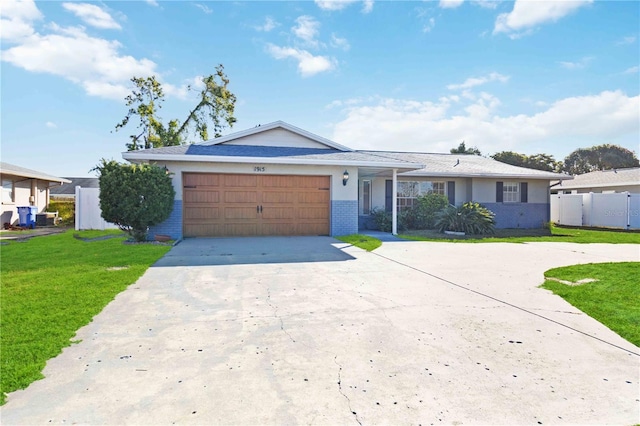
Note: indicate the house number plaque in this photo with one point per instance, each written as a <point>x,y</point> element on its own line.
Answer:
<point>259,169</point>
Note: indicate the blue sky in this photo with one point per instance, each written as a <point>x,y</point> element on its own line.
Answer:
<point>525,76</point>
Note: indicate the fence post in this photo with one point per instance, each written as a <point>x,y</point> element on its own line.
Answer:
<point>628,210</point>
<point>77,221</point>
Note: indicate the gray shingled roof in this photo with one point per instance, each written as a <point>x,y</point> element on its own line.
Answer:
<point>605,178</point>
<point>289,153</point>
<point>70,188</point>
<point>13,170</point>
<point>456,165</point>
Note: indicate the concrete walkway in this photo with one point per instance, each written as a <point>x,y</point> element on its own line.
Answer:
<point>412,333</point>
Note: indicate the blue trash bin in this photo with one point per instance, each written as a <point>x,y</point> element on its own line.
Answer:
<point>27,216</point>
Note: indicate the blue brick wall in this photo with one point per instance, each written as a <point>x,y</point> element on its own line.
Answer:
<point>519,215</point>
<point>344,217</point>
<point>172,226</point>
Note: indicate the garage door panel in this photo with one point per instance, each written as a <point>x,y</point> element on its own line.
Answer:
<point>277,213</point>
<point>202,213</point>
<point>278,197</point>
<point>278,182</point>
<point>196,179</point>
<point>240,181</point>
<point>241,197</point>
<point>200,196</point>
<point>244,205</point>
<point>236,213</point>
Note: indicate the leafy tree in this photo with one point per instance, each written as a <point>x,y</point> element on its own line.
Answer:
<point>215,108</point>
<point>601,157</point>
<point>134,196</point>
<point>462,149</point>
<point>538,161</point>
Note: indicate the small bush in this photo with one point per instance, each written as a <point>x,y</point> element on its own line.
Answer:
<point>382,219</point>
<point>426,209</point>
<point>66,211</point>
<point>470,218</point>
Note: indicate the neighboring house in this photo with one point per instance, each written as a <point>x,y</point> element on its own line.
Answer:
<point>68,190</point>
<point>24,187</point>
<point>277,179</point>
<point>604,181</point>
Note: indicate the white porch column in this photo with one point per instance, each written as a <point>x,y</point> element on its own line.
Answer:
<point>394,203</point>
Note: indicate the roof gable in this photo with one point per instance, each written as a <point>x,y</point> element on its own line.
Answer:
<point>277,134</point>
<point>13,170</point>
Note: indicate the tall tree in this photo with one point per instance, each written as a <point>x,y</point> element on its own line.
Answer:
<point>601,157</point>
<point>537,161</point>
<point>462,149</point>
<point>214,109</point>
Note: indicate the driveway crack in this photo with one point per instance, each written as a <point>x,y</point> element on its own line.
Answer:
<point>355,414</point>
<point>275,315</point>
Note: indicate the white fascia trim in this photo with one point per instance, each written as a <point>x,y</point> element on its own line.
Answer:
<point>489,175</point>
<point>271,126</point>
<point>599,185</point>
<point>267,160</point>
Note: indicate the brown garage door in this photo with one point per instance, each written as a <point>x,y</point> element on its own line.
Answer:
<point>219,204</point>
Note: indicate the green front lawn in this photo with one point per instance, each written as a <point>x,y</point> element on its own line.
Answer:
<point>614,299</point>
<point>362,241</point>
<point>554,234</point>
<point>50,286</point>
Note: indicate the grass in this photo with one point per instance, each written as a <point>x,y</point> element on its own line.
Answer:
<point>50,286</point>
<point>362,241</point>
<point>554,234</point>
<point>612,299</point>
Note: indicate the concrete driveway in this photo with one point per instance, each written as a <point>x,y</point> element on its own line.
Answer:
<point>313,331</point>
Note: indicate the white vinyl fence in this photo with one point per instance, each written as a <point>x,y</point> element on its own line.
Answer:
<point>88,213</point>
<point>611,210</point>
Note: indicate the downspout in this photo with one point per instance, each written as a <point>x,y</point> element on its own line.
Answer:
<point>394,203</point>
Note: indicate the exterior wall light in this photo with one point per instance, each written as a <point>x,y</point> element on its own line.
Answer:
<point>345,178</point>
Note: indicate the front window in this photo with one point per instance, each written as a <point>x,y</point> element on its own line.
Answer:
<point>511,192</point>
<point>409,191</point>
<point>7,191</point>
<point>366,197</point>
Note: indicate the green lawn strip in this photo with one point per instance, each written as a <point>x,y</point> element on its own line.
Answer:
<point>362,241</point>
<point>51,286</point>
<point>556,234</point>
<point>614,299</point>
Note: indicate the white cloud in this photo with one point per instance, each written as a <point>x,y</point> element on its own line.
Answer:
<point>527,14</point>
<point>306,29</point>
<point>426,28</point>
<point>632,70</point>
<point>486,4</point>
<point>396,124</point>
<point>340,43</point>
<point>152,2</point>
<point>51,125</point>
<point>268,25</point>
<point>478,81</point>
<point>94,63</point>
<point>332,5</point>
<point>627,40</point>
<point>308,64</point>
<point>204,8</point>
<point>92,15</point>
<point>582,63</point>
<point>450,4</point>
<point>16,21</point>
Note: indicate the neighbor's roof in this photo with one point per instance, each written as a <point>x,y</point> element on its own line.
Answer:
<point>456,165</point>
<point>13,170</point>
<point>70,188</point>
<point>274,155</point>
<point>605,178</point>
